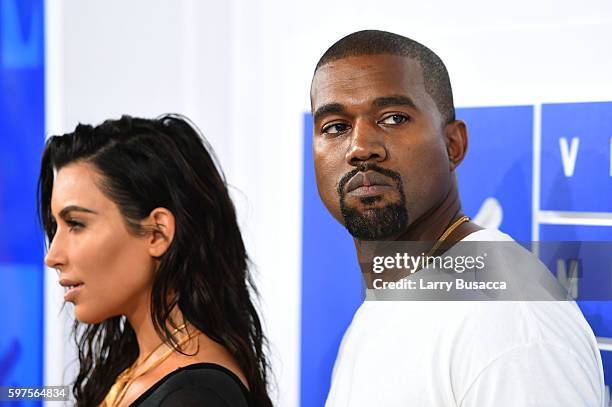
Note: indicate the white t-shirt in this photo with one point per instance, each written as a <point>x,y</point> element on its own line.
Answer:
<point>468,354</point>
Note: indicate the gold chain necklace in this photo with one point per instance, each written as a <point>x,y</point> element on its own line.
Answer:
<point>125,379</point>
<point>447,233</point>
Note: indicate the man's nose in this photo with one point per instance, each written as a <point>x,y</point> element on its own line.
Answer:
<point>367,144</point>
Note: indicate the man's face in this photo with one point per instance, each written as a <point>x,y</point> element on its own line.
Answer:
<point>379,152</point>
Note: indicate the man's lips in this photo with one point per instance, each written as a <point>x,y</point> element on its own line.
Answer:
<point>364,184</point>
<point>371,190</point>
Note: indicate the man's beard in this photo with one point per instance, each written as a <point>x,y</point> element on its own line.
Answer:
<point>379,223</point>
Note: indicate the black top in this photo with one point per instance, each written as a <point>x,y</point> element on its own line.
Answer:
<point>200,384</point>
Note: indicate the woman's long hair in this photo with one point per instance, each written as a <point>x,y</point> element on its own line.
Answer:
<point>164,162</point>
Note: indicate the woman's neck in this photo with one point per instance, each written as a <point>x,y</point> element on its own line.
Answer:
<point>147,337</point>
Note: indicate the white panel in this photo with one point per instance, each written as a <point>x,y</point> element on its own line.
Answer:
<point>53,363</point>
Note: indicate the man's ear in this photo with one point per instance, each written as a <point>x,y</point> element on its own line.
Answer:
<point>456,142</point>
<point>161,224</point>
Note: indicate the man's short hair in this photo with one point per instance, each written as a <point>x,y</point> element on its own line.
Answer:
<point>373,42</point>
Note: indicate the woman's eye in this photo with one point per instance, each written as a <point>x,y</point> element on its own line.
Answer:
<point>74,224</point>
<point>336,128</point>
<point>394,119</point>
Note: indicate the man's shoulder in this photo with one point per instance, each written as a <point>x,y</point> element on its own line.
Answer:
<point>516,322</point>
<point>488,326</point>
<point>488,235</point>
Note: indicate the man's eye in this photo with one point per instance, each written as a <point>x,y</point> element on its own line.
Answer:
<point>336,128</point>
<point>394,119</point>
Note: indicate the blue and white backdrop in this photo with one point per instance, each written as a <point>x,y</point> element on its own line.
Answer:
<point>531,80</point>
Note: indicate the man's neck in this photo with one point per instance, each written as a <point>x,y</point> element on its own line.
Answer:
<point>427,228</point>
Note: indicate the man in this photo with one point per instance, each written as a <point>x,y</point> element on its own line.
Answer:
<point>386,145</point>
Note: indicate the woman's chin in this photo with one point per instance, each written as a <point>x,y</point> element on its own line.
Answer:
<point>86,316</point>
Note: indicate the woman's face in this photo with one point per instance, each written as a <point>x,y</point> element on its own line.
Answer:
<point>93,250</point>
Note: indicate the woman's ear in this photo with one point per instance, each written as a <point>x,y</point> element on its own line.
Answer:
<point>456,142</point>
<point>162,225</point>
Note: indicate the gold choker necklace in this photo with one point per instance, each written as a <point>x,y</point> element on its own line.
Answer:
<point>126,378</point>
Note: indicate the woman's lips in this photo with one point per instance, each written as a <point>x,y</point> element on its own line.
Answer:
<point>72,292</point>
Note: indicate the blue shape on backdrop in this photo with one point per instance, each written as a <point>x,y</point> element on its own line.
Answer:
<point>22,132</point>
<point>597,313</point>
<point>582,182</point>
<point>576,176</point>
<point>21,243</point>
<point>21,34</point>
<point>331,286</point>
<point>499,165</point>
<point>22,326</point>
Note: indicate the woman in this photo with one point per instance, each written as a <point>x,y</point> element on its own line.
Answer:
<point>144,236</point>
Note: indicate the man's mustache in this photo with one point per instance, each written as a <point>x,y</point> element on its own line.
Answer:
<point>364,167</point>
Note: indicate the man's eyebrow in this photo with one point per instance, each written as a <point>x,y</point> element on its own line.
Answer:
<point>74,208</point>
<point>394,100</point>
<point>327,108</point>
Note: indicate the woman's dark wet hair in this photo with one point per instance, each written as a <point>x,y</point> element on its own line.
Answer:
<point>165,162</point>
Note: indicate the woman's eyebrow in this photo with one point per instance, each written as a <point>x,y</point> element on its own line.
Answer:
<point>74,208</point>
